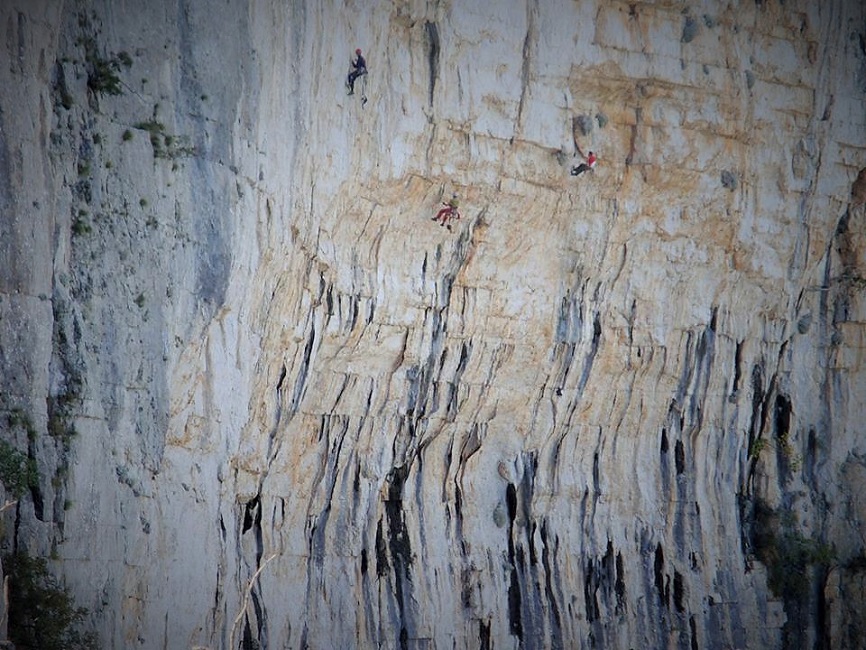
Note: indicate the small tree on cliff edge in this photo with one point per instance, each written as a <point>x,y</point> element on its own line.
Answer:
<point>42,614</point>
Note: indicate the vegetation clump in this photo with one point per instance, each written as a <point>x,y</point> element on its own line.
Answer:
<point>166,145</point>
<point>102,70</point>
<point>787,553</point>
<point>42,614</point>
<point>17,472</point>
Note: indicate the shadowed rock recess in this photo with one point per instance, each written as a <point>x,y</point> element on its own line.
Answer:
<point>271,404</point>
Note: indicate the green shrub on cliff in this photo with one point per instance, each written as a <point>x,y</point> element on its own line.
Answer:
<point>17,471</point>
<point>42,614</point>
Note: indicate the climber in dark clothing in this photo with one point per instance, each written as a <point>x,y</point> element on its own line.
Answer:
<point>359,67</point>
<point>587,166</point>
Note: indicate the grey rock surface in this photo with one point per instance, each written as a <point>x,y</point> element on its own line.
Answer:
<point>272,404</point>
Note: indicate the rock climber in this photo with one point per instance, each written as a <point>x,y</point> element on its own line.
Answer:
<point>359,67</point>
<point>449,212</point>
<point>589,165</point>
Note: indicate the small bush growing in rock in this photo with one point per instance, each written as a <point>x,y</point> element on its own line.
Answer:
<point>102,77</point>
<point>166,145</point>
<point>154,128</point>
<point>757,447</point>
<point>787,553</point>
<point>18,418</point>
<point>17,471</point>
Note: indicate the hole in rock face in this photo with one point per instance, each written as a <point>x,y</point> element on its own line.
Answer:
<point>678,591</point>
<point>812,444</point>
<point>729,179</point>
<point>693,628</point>
<point>690,29</point>
<point>858,188</point>
<point>484,634</point>
<point>511,501</point>
<point>619,585</point>
<point>252,514</point>
<point>658,570</point>
<point>782,416</point>
<point>680,457</point>
<point>432,56</point>
<point>381,552</point>
<point>281,379</point>
<point>515,625</point>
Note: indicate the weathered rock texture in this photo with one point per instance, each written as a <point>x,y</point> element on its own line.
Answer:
<point>274,403</point>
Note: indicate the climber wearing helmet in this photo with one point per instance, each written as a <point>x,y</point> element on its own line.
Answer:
<point>359,67</point>
<point>449,211</point>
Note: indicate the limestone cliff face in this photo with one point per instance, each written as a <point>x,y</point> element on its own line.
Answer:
<point>273,405</point>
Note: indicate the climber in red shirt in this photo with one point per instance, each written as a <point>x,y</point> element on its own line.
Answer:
<point>449,212</point>
<point>589,165</point>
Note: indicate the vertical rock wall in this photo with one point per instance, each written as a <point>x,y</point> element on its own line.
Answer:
<point>272,403</point>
